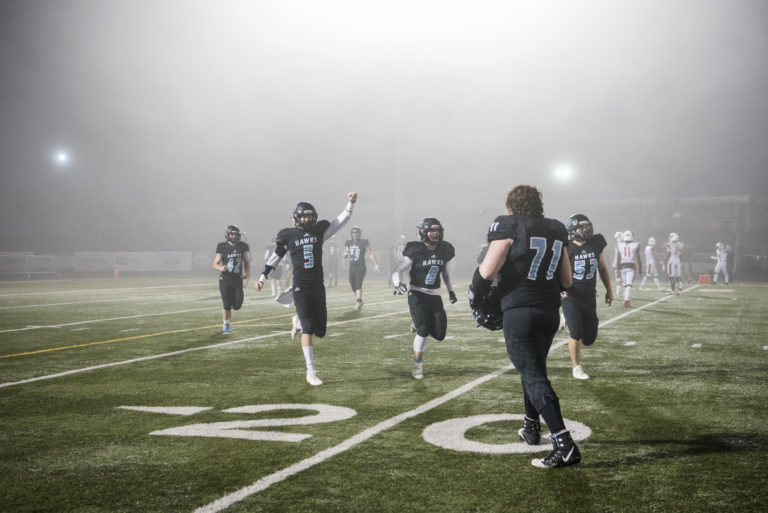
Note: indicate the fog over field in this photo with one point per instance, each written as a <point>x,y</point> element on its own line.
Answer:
<point>152,125</point>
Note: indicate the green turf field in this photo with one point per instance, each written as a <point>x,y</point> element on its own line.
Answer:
<point>123,395</point>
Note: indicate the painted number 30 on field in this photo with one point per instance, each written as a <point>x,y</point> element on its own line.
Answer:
<point>449,434</point>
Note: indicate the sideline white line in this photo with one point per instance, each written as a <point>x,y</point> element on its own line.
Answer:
<point>182,351</point>
<point>281,475</point>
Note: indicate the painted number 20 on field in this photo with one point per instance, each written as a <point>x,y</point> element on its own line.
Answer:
<point>448,434</point>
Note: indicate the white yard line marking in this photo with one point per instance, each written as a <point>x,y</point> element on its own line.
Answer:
<point>281,475</point>
<point>207,284</point>
<point>138,316</point>
<point>696,345</point>
<point>630,343</point>
<point>182,351</point>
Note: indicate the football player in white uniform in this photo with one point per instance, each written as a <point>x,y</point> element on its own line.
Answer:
<point>650,264</point>
<point>629,262</point>
<point>674,252</point>
<point>618,236</point>
<point>720,267</point>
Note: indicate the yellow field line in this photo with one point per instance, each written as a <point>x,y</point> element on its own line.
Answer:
<point>148,335</point>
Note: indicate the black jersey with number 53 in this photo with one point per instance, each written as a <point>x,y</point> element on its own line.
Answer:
<point>306,248</point>
<point>530,274</point>
<point>585,260</point>
<point>427,265</point>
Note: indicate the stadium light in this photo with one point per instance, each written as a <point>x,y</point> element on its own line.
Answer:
<point>563,172</point>
<point>61,158</point>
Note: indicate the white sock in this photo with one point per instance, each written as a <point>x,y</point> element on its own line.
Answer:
<point>419,344</point>
<point>309,357</point>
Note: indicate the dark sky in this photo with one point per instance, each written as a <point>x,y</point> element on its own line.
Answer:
<point>182,116</point>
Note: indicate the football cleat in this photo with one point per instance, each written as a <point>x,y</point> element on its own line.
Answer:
<point>312,378</point>
<point>418,370</point>
<point>295,326</point>
<point>227,329</point>
<point>564,453</point>
<point>578,373</point>
<point>530,433</point>
<point>359,305</point>
<point>626,304</point>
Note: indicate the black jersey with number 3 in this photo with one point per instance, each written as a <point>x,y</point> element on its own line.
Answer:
<point>306,248</point>
<point>530,276</point>
<point>585,260</point>
<point>427,265</point>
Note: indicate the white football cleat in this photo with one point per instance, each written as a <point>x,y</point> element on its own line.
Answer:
<point>312,379</point>
<point>295,326</point>
<point>578,373</point>
<point>418,370</point>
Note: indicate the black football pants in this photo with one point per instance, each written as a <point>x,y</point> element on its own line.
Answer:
<point>528,332</point>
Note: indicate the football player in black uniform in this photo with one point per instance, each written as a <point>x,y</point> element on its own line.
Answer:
<point>304,242</point>
<point>233,259</point>
<point>528,252</point>
<point>585,251</point>
<point>429,259</point>
<point>355,250</point>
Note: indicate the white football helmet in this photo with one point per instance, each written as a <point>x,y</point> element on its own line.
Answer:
<point>674,237</point>
<point>719,245</point>
<point>651,241</point>
<point>628,236</point>
<point>618,236</point>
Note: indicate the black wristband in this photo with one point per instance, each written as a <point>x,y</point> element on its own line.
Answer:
<point>267,269</point>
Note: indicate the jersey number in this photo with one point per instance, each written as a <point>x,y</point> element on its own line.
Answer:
<point>233,265</point>
<point>540,245</point>
<point>431,275</point>
<point>578,269</point>
<point>309,257</point>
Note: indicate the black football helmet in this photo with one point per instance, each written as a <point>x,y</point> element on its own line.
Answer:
<point>304,209</point>
<point>233,233</point>
<point>429,224</point>
<point>355,233</point>
<point>579,227</point>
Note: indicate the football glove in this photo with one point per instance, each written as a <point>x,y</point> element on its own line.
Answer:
<point>452,297</point>
<point>400,289</point>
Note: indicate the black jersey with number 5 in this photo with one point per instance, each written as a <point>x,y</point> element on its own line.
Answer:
<point>427,266</point>
<point>585,260</point>
<point>306,248</point>
<point>530,276</point>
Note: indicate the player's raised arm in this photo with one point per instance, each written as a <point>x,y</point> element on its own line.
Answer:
<point>342,218</point>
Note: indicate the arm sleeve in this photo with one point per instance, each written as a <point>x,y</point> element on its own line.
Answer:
<point>339,221</point>
<point>449,266</point>
<point>404,264</point>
